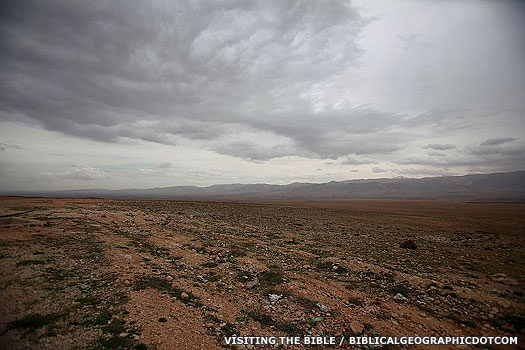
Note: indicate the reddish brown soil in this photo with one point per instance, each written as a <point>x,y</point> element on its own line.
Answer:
<point>93,273</point>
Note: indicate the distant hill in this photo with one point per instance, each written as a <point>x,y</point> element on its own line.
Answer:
<point>499,186</point>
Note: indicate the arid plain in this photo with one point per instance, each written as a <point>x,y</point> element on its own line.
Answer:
<point>160,274</point>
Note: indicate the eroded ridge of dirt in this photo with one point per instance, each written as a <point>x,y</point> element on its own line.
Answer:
<point>107,274</point>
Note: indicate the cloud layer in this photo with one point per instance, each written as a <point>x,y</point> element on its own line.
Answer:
<point>360,84</point>
<point>163,71</point>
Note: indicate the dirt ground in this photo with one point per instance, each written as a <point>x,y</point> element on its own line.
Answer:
<point>141,274</point>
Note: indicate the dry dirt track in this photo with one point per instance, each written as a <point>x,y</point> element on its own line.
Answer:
<point>89,273</point>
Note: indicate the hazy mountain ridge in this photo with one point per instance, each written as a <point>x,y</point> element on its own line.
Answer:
<point>482,186</point>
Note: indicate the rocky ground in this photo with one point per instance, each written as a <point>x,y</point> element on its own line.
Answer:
<point>108,274</point>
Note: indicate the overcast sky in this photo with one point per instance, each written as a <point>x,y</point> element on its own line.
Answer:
<point>133,93</point>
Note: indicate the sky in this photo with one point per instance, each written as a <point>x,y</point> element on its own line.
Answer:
<point>132,93</point>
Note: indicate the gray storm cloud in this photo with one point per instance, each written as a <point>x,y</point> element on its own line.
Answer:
<point>161,71</point>
<point>260,80</point>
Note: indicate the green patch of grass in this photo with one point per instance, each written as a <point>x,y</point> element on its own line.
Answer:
<point>154,250</point>
<point>308,304</point>
<point>210,264</point>
<point>152,282</point>
<point>382,316</point>
<point>102,318</point>
<point>244,276</point>
<point>402,287</point>
<point>88,300</point>
<point>326,266</point>
<point>352,285</point>
<point>263,319</point>
<point>270,278</point>
<point>290,328</point>
<point>356,301</point>
<point>164,286</point>
<point>237,251</point>
<point>340,269</point>
<point>95,250</point>
<point>33,321</point>
<point>240,319</point>
<point>114,342</point>
<point>212,276</point>
<point>317,319</point>
<point>228,330</point>
<point>115,327</point>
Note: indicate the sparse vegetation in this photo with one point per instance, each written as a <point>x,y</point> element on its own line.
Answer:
<point>134,268</point>
<point>33,321</point>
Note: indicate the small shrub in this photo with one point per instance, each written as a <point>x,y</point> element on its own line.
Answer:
<point>33,321</point>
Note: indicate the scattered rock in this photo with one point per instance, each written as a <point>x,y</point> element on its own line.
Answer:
<point>502,278</point>
<point>184,295</point>
<point>409,244</point>
<point>169,278</point>
<point>400,297</point>
<point>202,279</point>
<point>275,297</point>
<point>323,308</point>
<point>356,327</point>
<point>253,283</point>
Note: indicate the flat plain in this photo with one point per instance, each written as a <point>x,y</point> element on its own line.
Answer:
<point>161,274</point>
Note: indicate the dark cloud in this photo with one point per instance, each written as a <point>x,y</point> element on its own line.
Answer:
<point>510,151</point>
<point>160,72</point>
<point>264,79</point>
<point>497,141</point>
<point>496,158</point>
<point>439,147</point>
<point>256,152</point>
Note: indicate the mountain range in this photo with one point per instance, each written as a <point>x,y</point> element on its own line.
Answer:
<point>497,186</point>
